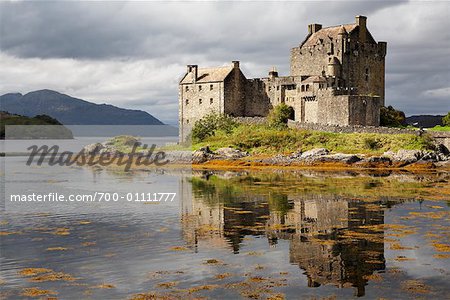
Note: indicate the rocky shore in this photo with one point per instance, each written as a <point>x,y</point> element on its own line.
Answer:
<point>319,157</point>
<point>323,157</point>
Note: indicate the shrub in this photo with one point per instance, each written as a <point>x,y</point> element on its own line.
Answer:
<point>123,140</point>
<point>391,117</point>
<point>208,125</point>
<point>279,116</point>
<point>371,143</point>
<point>446,119</point>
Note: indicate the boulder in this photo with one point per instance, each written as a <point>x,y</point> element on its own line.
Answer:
<point>230,153</point>
<point>379,160</point>
<point>199,156</point>
<point>339,158</point>
<point>430,156</point>
<point>405,156</point>
<point>314,153</point>
<point>93,149</point>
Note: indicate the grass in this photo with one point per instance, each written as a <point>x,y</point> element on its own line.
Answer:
<point>259,139</point>
<point>439,128</point>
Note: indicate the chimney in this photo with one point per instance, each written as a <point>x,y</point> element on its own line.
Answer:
<point>361,21</point>
<point>273,73</point>
<point>194,70</point>
<point>235,64</point>
<point>312,28</point>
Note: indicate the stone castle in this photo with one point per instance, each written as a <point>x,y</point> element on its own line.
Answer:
<point>336,77</point>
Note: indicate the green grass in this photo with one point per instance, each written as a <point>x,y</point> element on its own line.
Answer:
<point>439,128</point>
<point>259,139</point>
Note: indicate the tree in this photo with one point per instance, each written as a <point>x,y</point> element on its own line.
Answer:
<point>279,116</point>
<point>48,119</point>
<point>390,117</point>
<point>446,120</point>
<point>209,124</point>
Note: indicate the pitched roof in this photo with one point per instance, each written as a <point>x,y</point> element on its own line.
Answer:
<point>326,33</point>
<point>314,79</point>
<point>208,75</point>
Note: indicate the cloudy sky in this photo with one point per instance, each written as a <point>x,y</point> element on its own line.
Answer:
<point>132,54</point>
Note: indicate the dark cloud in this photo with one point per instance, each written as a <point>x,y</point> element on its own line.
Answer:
<point>170,35</point>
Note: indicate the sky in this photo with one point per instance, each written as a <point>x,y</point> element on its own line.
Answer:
<point>132,54</point>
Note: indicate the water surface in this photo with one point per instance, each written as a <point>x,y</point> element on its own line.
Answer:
<point>257,235</point>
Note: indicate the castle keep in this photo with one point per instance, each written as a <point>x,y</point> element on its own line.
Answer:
<point>336,78</point>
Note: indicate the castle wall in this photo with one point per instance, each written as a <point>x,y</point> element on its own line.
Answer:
<point>311,111</point>
<point>364,110</point>
<point>202,99</point>
<point>257,102</point>
<point>333,110</point>
<point>365,68</point>
<point>234,93</point>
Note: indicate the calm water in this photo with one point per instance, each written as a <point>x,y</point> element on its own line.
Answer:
<point>257,235</point>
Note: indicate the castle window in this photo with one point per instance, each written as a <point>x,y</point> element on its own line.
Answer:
<point>187,88</point>
<point>278,88</point>
<point>307,87</point>
<point>200,87</point>
<point>187,101</point>
<point>211,87</point>
<point>187,121</point>
<point>303,88</point>
<point>200,101</point>
<point>270,88</point>
<point>211,100</point>
<point>330,49</point>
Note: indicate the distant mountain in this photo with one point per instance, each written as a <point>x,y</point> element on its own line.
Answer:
<point>73,111</point>
<point>426,121</point>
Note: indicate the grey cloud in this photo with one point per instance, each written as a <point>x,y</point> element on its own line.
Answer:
<point>114,35</point>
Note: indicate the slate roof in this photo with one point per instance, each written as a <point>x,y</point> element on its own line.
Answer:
<point>205,75</point>
<point>314,79</point>
<point>327,32</point>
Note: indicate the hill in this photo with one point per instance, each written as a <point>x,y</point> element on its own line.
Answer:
<point>426,121</point>
<point>56,132</point>
<point>73,111</point>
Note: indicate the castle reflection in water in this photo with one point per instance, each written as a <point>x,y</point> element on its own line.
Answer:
<point>334,239</point>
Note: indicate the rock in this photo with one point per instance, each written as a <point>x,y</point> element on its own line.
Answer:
<point>295,155</point>
<point>125,140</point>
<point>230,153</point>
<point>108,150</point>
<point>379,159</point>
<point>430,156</point>
<point>93,149</point>
<point>199,156</point>
<point>441,149</point>
<point>339,158</point>
<point>408,156</point>
<point>314,153</point>
<point>206,149</point>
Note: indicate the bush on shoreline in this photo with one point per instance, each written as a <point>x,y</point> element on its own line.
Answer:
<point>208,125</point>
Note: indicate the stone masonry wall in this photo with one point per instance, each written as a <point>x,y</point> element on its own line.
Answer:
<point>196,101</point>
<point>364,110</point>
<point>234,93</point>
<point>257,102</point>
